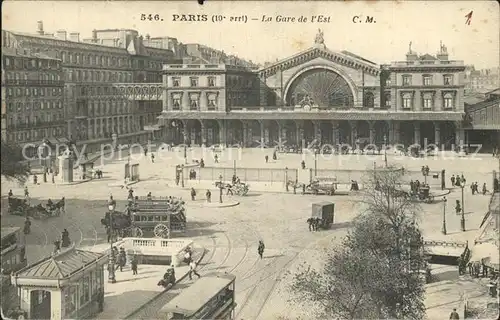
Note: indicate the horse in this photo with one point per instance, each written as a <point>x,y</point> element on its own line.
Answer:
<point>116,222</point>
<point>37,211</point>
<point>17,206</point>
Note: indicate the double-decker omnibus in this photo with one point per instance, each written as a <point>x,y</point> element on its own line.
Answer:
<point>210,297</point>
<point>13,259</point>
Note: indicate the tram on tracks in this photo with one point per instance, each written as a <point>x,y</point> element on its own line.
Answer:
<point>210,297</point>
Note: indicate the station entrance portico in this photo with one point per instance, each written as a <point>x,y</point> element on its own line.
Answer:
<point>292,132</point>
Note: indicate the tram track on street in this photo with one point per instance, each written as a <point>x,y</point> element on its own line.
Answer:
<point>253,287</point>
<point>267,296</point>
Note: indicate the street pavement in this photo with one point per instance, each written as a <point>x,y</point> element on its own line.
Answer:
<point>231,235</point>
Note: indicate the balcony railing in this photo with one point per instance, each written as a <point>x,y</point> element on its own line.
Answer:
<point>20,126</point>
<point>12,82</point>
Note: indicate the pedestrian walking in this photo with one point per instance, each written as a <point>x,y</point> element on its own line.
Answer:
<point>216,159</point>
<point>122,258</point>
<point>267,158</point>
<point>133,265</point>
<point>208,194</point>
<point>452,180</point>
<point>57,246</point>
<point>458,207</point>
<point>261,248</point>
<point>310,223</point>
<point>27,226</point>
<point>152,157</point>
<point>193,194</point>
<point>192,270</point>
<point>454,315</point>
<point>26,192</point>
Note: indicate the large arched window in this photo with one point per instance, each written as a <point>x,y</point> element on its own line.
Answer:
<point>320,87</point>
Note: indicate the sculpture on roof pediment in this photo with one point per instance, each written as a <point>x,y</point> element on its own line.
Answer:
<point>319,37</point>
<point>444,49</point>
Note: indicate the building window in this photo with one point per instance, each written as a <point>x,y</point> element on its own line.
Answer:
<point>406,80</point>
<point>427,80</point>
<point>448,80</point>
<point>387,100</point>
<point>448,101</point>
<point>211,81</point>
<point>427,102</point>
<point>369,100</point>
<point>407,101</point>
<point>176,103</point>
<point>84,291</point>
<point>194,82</point>
<point>176,82</point>
<point>69,300</point>
<point>388,82</point>
<point>212,102</point>
<point>7,62</point>
<point>193,104</point>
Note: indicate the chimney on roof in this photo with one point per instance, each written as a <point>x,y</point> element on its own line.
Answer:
<point>94,35</point>
<point>61,34</point>
<point>40,27</point>
<point>74,36</point>
<point>148,37</point>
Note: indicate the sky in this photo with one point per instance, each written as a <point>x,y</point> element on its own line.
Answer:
<point>423,23</point>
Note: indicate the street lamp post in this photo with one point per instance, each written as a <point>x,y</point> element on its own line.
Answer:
<point>462,220</point>
<point>185,155</point>
<point>443,230</point>
<point>221,187</point>
<point>315,162</point>
<point>385,150</point>
<point>111,261</point>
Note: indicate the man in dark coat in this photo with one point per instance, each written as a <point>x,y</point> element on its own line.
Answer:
<point>261,248</point>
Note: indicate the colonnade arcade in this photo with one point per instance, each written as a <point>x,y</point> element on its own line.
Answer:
<point>272,133</point>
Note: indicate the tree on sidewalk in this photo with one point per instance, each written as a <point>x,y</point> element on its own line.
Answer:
<point>12,166</point>
<point>375,272</point>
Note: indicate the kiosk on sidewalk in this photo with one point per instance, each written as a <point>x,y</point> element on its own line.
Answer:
<point>69,285</point>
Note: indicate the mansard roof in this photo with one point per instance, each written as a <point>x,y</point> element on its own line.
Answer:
<point>345,58</point>
<point>59,43</point>
<point>135,47</point>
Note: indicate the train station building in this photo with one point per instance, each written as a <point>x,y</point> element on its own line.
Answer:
<point>318,94</point>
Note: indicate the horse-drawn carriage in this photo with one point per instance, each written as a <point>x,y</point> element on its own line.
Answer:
<point>143,217</point>
<point>237,188</point>
<point>317,186</point>
<point>424,194</point>
<point>21,207</point>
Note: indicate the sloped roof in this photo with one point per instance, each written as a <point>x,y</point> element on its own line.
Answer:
<point>473,99</point>
<point>60,266</point>
<point>7,231</point>
<point>348,53</point>
<point>427,57</point>
<point>496,91</point>
<point>323,51</point>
